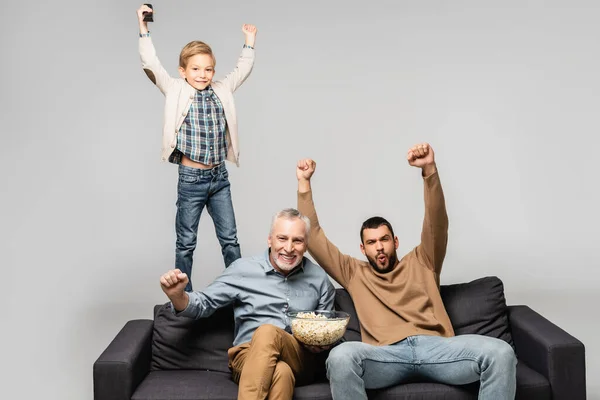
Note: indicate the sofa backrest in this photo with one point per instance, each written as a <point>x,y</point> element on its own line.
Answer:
<point>477,307</point>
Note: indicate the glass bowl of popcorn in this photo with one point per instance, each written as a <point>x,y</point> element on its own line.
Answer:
<point>318,328</point>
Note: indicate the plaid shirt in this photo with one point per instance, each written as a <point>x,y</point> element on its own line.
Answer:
<point>202,133</point>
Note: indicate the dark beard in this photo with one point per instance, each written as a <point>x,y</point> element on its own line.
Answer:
<point>393,259</point>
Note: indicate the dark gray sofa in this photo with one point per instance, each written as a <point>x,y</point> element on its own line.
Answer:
<point>171,358</point>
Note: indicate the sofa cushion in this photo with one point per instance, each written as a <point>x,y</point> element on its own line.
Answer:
<point>315,391</point>
<point>186,385</point>
<point>184,343</point>
<point>530,386</point>
<point>478,307</point>
<point>201,385</point>
<point>425,390</point>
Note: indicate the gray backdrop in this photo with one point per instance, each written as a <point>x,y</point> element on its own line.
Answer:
<point>506,92</point>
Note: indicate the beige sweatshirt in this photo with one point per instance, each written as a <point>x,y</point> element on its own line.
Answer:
<point>405,301</point>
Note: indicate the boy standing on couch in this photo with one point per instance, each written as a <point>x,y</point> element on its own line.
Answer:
<point>199,134</point>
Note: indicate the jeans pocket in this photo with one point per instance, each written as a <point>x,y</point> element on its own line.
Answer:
<point>188,179</point>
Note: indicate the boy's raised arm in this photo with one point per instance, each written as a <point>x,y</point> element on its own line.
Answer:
<point>245,62</point>
<point>150,62</point>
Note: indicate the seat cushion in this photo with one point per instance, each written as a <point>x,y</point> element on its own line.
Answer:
<point>186,385</point>
<point>315,391</point>
<point>184,343</point>
<point>200,385</point>
<point>531,385</point>
<point>478,307</point>
<point>426,390</point>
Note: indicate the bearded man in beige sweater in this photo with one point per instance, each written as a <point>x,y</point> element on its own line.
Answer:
<point>406,332</point>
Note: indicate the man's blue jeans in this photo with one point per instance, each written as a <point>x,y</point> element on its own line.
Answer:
<point>353,367</point>
<point>198,188</point>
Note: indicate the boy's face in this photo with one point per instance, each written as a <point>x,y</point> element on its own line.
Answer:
<point>199,71</point>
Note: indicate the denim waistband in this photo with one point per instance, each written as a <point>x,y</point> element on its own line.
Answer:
<point>202,172</point>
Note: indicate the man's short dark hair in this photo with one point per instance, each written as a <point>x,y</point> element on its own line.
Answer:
<point>374,223</point>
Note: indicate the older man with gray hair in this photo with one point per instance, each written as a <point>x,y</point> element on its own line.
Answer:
<point>265,360</point>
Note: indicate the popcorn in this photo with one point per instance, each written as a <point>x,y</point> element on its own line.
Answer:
<point>316,329</point>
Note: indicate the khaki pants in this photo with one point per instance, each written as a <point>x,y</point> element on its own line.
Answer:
<point>269,366</point>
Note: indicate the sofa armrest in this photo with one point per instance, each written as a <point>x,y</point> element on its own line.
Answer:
<point>550,351</point>
<point>125,362</point>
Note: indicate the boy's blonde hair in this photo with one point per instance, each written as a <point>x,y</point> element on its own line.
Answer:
<point>194,48</point>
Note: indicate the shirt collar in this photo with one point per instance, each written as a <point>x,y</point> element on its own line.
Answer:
<point>207,90</point>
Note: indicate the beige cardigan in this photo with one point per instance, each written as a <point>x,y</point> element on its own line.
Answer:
<point>179,96</point>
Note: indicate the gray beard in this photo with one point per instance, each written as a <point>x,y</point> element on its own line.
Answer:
<point>284,267</point>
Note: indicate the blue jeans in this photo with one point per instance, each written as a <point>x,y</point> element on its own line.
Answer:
<point>353,367</point>
<point>198,188</point>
